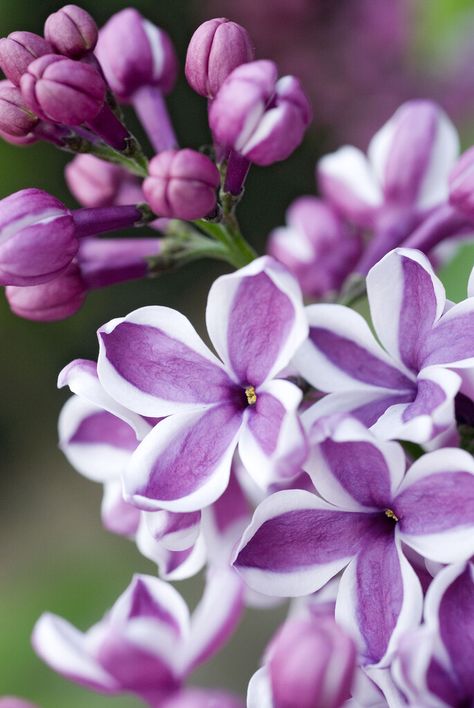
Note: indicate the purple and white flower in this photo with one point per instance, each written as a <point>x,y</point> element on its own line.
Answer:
<point>154,363</point>
<point>433,666</point>
<point>148,643</point>
<point>367,511</point>
<point>407,389</point>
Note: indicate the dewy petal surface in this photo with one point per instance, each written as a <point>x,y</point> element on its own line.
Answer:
<point>256,320</point>
<point>154,362</point>
<point>297,542</point>
<point>184,463</point>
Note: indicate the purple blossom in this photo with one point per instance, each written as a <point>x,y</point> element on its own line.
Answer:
<point>153,362</point>
<point>316,246</point>
<point>182,184</point>
<point>434,663</point>
<point>407,389</point>
<point>16,119</point>
<point>216,48</point>
<point>71,31</point>
<point>147,644</point>
<point>368,511</point>
<point>96,183</point>
<point>404,176</point>
<point>18,51</point>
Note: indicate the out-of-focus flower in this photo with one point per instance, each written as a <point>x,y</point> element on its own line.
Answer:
<point>71,31</point>
<point>408,390</point>
<point>182,184</point>
<point>367,512</point>
<point>316,246</point>
<point>217,47</point>
<point>153,362</point>
<point>96,183</point>
<point>288,678</point>
<point>404,176</point>
<point>434,663</point>
<point>18,51</point>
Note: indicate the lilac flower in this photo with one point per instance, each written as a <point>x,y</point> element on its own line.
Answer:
<point>96,183</point>
<point>434,663</point>
<point>16,119</point>
<point>404,176</point>
<point>367,512</point>
<point>407,391</point>
<point>300,666</point>
<point>147,644</point>
<point>216,48</point>
<point>71,31</point>
<point>182,184</point>
<point>316,246</point>
<point>153,362</point>
<point>18,51</point>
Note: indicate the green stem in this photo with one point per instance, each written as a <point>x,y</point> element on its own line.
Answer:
<point>239,250</point>
<point>136,163</point>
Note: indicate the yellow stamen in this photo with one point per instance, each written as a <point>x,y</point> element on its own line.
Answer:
<point>251,395</point>
<point>391,515</point>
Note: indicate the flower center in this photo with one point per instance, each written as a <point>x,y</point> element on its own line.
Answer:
<point>251,395</point>
<point>391,515</point>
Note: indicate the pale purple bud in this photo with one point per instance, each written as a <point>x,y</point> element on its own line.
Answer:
<point>135,53</point>
<point>316,246</point>
<point>18,50</point>
<point>48,302</point>
<point>16,119</point>
<point>71,31</point>
<point>311,663</point>
<point>182,184</point>
<point>461,184</point>
<point>261,118</point>
<point>37,238</point>
<point>96,183</point>
<point>216,48</point>
<point>201,698</point>
<point>63,90</point>
<point>108,261</point>
<point>12,702</point>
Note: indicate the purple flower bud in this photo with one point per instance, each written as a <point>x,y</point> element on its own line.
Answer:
<point>461,184</point>
<point>48,302</point>
<point>325,680</point>
<point>201,698</point>
<point>18,50</point>
<point>12,702</point>
<point>216,48</point>
<point>316,246</point>
<point>182,184</point>
<point>63,90</point>
<point>258,116</point>
<point>105,262</point>
<point>135,53</point>
<point>71,31</point>
<point>16,119</point>
<point>37,238</point>
<point>96,183</point>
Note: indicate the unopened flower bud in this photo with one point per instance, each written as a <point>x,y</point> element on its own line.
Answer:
<point>316,246</point>
<point>182,184</point>
<point>37,238</point>
<point>48,302</point>
<point>259,116</point>
<point>461,184</point>
<point>134,53</point>
<point>18,50</point>
<point>96,183</point>
<point>216,48</point>
<point>63,90</point>
<point>16,119</point>
<point>201,698</point>
<point>71,31</point>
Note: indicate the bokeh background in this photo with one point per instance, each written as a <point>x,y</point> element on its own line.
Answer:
<point>358,59</point>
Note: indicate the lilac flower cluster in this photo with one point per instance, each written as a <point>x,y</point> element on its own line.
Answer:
<point>309,453</point>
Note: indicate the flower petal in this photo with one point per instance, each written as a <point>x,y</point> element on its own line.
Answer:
<point>451,341</point>
<point>350,467</point>
<point>406,299</point>
<point>379,598</point>
<point>172,565</point>
<point>296,543</point>
<point>256,320</point>
<point>435,506</point>
<point>259,692</point>
<point>341,353</point>
<point>272,444</point>
<point>184,463</point>
<point>154,362</point>
<point>117,515</point>
<point>176,531</point>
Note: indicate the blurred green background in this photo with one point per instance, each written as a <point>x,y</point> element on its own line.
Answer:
<point>54,554</point>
